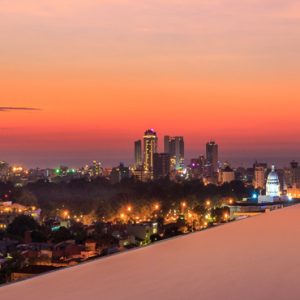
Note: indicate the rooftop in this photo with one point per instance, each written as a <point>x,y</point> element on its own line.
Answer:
<point>257,258</point>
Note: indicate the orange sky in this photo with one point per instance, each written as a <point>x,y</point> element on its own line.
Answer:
<point>101,72</point>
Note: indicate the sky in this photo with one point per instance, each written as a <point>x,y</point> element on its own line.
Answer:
<point>82,79</point>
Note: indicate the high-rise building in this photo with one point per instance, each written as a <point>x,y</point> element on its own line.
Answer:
<point>260,170</point>
<point>174,145</point>
<point>212,155</point>
<point>150,147</point>
<point>295,174</point>
<point>138,160</point>
<point>167,144</point>
<point>161,165</point>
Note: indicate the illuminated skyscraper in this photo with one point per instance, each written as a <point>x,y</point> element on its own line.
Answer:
<point>174,145</point>
<point>150,147</point>
<point>138,160</point>
<point>212,155</point>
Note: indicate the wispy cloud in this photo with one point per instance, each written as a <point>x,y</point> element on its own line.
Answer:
<point>12,108</point>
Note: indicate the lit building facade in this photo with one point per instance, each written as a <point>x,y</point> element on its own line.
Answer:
<point>259,180</point>
<point>9,211</point>
<point>273,192</point>
<point>150,147</point>
<point>97,170</point>
<point>273,184</point>
<point>174,145</point>
<point>227,175</point>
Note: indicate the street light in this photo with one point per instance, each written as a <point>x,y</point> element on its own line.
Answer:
<point>208,203</point>
<point>226,216</point>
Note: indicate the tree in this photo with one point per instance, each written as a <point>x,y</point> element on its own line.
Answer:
<point>20,225</point>
<point>26,198</point>
<point>62,234</point>
<point>38,236</point>
<point>79,233</point>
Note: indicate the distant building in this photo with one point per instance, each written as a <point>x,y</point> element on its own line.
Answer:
<point>259,180</point>
<point>139,174</point>
<point>18,175</point>
<point>142,231</point>
<point>97,169</point>
<point>227,175</point>
<point>245,175</point>
<point>161,165</point>
<point>4,171</point>
<point>9,211</point>
<point>119,173</point>
<point>174,145</point>
<point>295,174</point>
<point>150,147</point>
<point>287,174</point>
<point>138,159</point>
<point>273,185</point>
<point>293,192</point>
<point>273,192</point>
<point>196,167</point>
<point>212,155</point>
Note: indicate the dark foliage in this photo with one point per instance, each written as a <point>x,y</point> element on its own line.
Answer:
<point>100,196</point>
<point>20,225</point>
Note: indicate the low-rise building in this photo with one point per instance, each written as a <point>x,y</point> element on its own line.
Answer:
<point>142,231</point>
<point>9,211</point>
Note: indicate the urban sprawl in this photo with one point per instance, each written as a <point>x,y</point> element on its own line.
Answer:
<point>55,218</point>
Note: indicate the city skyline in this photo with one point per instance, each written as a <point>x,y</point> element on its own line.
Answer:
<point>128,156</point>
<point>82,81</point>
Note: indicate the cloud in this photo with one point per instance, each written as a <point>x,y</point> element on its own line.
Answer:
<point>11,108</point>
